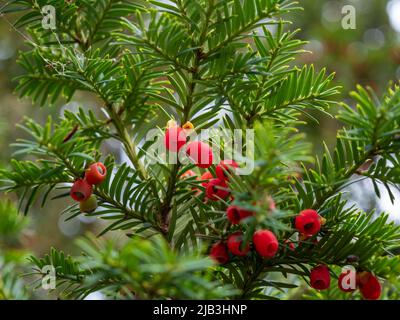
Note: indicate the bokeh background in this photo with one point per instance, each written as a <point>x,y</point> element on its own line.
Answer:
<point>368,55</point>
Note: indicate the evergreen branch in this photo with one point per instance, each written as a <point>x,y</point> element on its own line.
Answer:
<point>191,59</point>
<point>166,205</point>
<point>342,180</point>
<point>100,20</point>
<point>362,144</point>
<point>127,141</point>
<point>121,129</point>
<point>172,274</point>
<point>272,8</point>
<point>128,212</point>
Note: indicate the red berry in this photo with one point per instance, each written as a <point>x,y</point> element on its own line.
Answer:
<point>81,190</point>
<point>346,283</point>
<point>225,168</point>
<point>308,222</point>
<point>235,244</point>
<point>188,174</point>
<point>265,243</point>
<point>200,153</point>
<point>175,138</point>
<point>233,214</point>
<point>96,173</point>
<point>370,287</point>
<point>271,204</point>
<point>217,189</point>
<point>320,278</point>
<point>219,253</point>
<point>290,245</point>
<point>236,214</point>
<point>206,176</point>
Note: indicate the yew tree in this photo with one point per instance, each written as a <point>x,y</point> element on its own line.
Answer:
<point>195,230</point>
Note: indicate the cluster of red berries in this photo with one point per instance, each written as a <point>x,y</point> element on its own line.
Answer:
<point>264,241</point>
<point>82,189</point>
<point>176,137</point>
<point>368,284</point>
<point>215,188</point>
<point>308,222</point>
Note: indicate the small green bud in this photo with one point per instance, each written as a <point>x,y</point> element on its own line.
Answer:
<point>88,205</point>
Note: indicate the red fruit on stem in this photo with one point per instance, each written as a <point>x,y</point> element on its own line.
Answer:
<point>235,244</point>
<point>200,153</point>
<point>320,278</point>
<point>290,245</point>
<point>265,243</point>
<point>225,168</point>
<point>236,214</point>
<point>206,176</point>
<point>217,189</point>
<point>369,285</point>
<point>271,204</point>
<point>347,281</point>
<point>81,190</point>
<point>219,253</point>
<point>96,173</point>
<point>308,222</point>
<point>233,214</point>
<point>188,174</point>
<point>175,138</point>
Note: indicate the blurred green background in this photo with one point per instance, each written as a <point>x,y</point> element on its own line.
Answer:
<point>368,55</point>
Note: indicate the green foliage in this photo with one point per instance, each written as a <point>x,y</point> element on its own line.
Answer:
<point>11,223</point>
<point>213,62</point>
<point>12,257</point>
<point>145,269</point>
<point>11,285</point>
<point>369,138</point>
